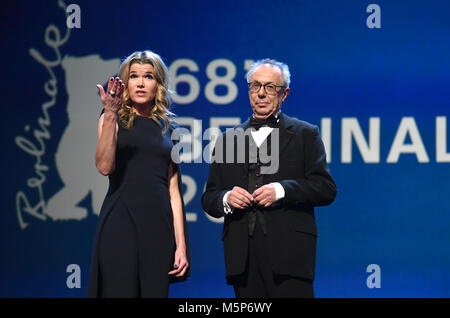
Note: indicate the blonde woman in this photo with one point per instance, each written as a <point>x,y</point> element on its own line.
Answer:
<point>141,240</point>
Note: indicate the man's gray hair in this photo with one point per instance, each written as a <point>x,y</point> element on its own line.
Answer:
<point>283,68</point>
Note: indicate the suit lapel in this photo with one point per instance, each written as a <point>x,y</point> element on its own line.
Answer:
<point>286,132</point>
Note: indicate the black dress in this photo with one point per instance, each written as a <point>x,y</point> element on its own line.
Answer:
<point>134,244</point>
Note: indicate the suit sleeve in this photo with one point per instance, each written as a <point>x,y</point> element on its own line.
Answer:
<point>212,198</point>
<point>317,187</point>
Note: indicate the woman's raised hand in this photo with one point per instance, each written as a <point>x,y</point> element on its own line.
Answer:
<point>112,99</point>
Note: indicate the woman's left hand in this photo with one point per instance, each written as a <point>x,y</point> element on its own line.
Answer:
<point>180,264</point>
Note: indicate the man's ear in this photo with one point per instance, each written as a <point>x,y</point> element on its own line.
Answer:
<point>286,93</point>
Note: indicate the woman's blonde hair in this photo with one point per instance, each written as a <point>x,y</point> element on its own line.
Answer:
<point>162,98</point>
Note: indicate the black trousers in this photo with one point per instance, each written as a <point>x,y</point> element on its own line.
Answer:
<point>259,281</point>
<point>119,260</point>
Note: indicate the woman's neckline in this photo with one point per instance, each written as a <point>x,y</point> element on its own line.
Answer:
<point>148,117</point>
<point>153,119</point>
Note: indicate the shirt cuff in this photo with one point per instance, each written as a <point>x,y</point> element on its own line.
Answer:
<point>227,209</point>
<point>279,191</point>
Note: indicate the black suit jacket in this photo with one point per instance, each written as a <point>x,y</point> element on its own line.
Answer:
<point>291,228</point>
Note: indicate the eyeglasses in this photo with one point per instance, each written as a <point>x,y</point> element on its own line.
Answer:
<point>269,88</point>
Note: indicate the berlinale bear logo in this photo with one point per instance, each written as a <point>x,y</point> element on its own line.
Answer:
<point>75,154</point>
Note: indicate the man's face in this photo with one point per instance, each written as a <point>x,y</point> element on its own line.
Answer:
<point>264,104</point>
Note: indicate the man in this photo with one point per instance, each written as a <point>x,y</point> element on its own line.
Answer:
<point>269,231</point>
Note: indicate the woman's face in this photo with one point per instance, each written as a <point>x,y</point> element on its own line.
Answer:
<point>142,84</point>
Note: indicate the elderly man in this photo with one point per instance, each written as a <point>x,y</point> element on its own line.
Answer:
<point>269,231</point>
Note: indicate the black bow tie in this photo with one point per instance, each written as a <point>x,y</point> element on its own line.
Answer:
<point>257,123</point>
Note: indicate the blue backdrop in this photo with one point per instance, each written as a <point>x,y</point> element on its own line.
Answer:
<point>374,79</point>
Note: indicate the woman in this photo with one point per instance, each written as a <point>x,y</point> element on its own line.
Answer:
<point>141,242</point>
